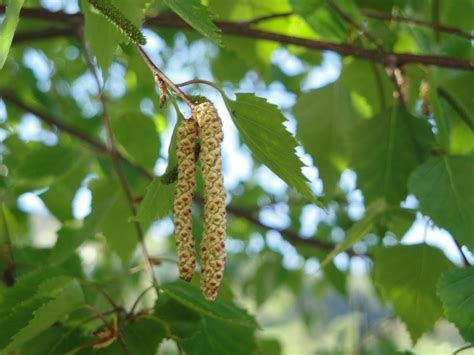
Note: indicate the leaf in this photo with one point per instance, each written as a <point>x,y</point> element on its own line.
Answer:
<point>142,338</point>
<point>457,92</point>
<point>157,203</point>
<point>55,298</point>
<point>105,195</point>
<point>325,117</point>
<point>206,328</point>
<point>8,27</point>
<point>58,199</point>
<point>56,340</point>
<point>103,37</point>
<point>137,134</point>
<point>377,89</point>
<point>261,128</point>
<point>456,290</point>
<point>43,165</point>
<point>358,230</point>
<point>197,16</point>
<point>407,277</point>
<point>443,187</point>
<point>394,143</point>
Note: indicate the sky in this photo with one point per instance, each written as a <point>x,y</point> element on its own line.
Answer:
<point>192,62</point>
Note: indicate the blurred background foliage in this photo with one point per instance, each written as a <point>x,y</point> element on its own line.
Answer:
<point>387,147</point>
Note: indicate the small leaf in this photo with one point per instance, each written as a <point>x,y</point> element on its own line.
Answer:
<point>407,277</point>
<point>444,187</point>
<point>261,128</point>
<point>8,27</point>
<point>197,16</point>
<point>136,133</point>
<point>456,290</point>
<point>157,203</point>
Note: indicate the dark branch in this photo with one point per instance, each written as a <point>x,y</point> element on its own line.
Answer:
<point>239,29</point>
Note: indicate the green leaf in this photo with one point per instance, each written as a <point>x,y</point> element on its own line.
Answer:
<point>157,203</point>
<point>216,328</point>
<point>58,198</point>
<point>105,194</point>
<point>55,298</point>
<point>394,143</point>
<point>56,340</point>
<point>377,89</point>
<point>325,117</point>
<point>137,134</point>
<point>457,92</point>
<point>358,230</point>
<point>142,338</point>
<point>261,128</point>
<point>197,16</point>
<point>45,164</point>
<point>8,27</point>
<point>456,290</point>
<point>444,188</point>
<point>407,277</point>
<point>103,37</point>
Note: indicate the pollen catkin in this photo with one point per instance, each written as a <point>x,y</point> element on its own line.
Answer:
<point>185,146</point>
<point>212,243</point>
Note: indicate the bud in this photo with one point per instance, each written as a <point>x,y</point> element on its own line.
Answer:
<point>212,243</point>
<point>185,144</point>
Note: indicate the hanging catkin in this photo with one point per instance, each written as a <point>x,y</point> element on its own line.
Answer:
<point>212,243</point>
<point>185,145</point>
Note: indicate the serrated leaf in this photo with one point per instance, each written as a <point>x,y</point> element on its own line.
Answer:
<point>213,328</point>
<point>456,290</point>
<point>137,134</point>
<point>444,187</point>
<point>157,203</point>
<point>33,313</point>
<point>325,117</point>
<point>197,16</point>
<point>261,128</point>
<point>394,143</point>
<point>358,230</point>
<point>407,277</point>
<point>142,338</point>
<point>56,340</point>
<point>8,27</point>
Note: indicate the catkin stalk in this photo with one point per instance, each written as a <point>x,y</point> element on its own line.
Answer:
<point>185,145</point>
<point>212,243</point>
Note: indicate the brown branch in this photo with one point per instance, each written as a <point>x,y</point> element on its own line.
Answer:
<point>236,28</point>
<point>115,158</point>
<point>380,15</point>
<point>160,77</point>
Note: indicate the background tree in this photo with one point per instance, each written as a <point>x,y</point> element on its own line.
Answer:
<point>348,163</point>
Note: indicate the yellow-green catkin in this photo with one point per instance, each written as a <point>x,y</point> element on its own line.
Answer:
<point>212,243</point>
<point>185,152</point>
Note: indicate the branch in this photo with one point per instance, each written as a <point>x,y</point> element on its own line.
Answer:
<point>9,273</point>
<point>236,28</point>
<point>380,15</point>
<point>94,145</point>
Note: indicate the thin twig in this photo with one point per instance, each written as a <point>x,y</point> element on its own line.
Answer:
<point>159,76</point>
<point>100,316</point>
<point>469,346</point>
<point>256,20</point>
<point>111,149</point>
<point>391,70</point>
<point>380,15</point>
<point>140,296</point>
<point>354,24</point>
<point>105,295</point>
<point>199,81</point>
